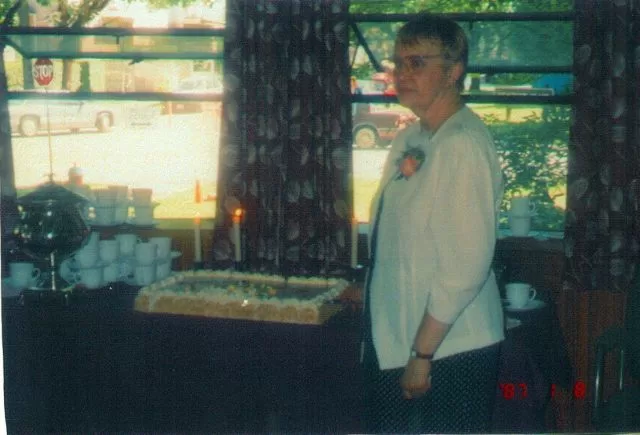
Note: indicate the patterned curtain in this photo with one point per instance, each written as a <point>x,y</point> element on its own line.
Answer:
<point>603,205</point>
<point>285,154</point>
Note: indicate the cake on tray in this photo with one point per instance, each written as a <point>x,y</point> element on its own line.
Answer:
<point>248,296</point>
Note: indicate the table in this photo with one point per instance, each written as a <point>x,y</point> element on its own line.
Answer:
<point>89,363</point>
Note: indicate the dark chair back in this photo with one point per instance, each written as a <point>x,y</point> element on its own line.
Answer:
<point>632,327</point>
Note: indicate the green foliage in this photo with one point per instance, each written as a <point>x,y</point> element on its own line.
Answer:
<point>14,75</point>
<point>85,77</point>
<point>413,6</point>
<point>534,160</point>
<point>512,78</point>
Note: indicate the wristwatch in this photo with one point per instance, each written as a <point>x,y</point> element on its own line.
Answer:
<point>415,354</point>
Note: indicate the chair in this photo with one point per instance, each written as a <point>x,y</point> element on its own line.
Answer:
<point>621,410</point>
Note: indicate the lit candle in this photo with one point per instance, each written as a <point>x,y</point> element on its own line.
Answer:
<point>198,240</point>
<point>237,216</point>
<point>198,193</point>
<point>354,243</point>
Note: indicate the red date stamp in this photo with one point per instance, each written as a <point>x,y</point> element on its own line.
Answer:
<point>519,391</point>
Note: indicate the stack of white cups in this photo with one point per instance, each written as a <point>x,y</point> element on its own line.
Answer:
<point>110,254</point>
<point>104,206</point>
<point>163,261</point>
<point>146,254</point>
<point>142,206</point>
<point>121,204</point>
<point>127,244</point>
<point>86,267</point>
<point>521,211</point>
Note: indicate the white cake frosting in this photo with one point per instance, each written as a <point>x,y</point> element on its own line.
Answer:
<point>252,296</point>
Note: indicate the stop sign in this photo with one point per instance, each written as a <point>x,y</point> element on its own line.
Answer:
<point>43,71</point>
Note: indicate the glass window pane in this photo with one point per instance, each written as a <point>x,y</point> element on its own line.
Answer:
<point>491,43</point>
<point>140,144</point>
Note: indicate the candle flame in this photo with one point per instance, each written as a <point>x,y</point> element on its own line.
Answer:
<point>197,219</point>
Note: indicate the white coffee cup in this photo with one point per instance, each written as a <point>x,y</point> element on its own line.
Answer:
<point>23,274</point>
<point>143,214</point>
<point>128,243</point>
<point>105,197</point>
<point>105,215</point>
<point>520,225</point>
<point>86,257</point>
<point>141,196</point>
<point>164,246</point>
<point>109,250</point>
<point>91,277</point>
<point>145,275</point>
<point>93,240</point>
<point>163,269</point>
<point>521,206</point>
<point>121,213</point>
<point>67,270</point>
<point>519,294</point>
<point>146,253</point>
<point>111,272</point>
<point>121,192</point>
<point>126,268</point>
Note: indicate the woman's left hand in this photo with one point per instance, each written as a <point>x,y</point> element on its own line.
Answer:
<point>416,379</point>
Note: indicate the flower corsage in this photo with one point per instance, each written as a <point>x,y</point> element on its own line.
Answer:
<point>410,162</point>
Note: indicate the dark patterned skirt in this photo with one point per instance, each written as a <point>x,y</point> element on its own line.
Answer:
<point>460,400</point>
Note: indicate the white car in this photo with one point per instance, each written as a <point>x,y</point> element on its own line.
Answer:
<point>194,85</point>
<point>33,116</point>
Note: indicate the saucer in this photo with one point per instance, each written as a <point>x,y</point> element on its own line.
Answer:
<point>172,256</point>
<point>133,222</point>
<point>8,290</point>
<point>531,305</point>
<point>510,323</point>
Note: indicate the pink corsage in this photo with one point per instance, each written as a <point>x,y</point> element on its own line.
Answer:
<point>410,162</point>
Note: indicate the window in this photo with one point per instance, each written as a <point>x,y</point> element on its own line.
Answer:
<point>141,106</point>
<point>519,81</point>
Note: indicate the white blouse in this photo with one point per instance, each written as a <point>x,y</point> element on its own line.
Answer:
<point>436,241</point>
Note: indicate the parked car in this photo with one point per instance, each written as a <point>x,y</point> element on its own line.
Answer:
<point>374,125</point>
<point>29,117</point>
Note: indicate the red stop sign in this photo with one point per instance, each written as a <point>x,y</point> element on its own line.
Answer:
<point>43,71</point>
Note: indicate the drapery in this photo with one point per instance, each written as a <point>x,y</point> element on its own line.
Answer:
<point>285,156</point>
<point>602,229</point>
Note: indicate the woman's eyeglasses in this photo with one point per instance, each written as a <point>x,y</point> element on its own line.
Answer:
<point>413,63</point>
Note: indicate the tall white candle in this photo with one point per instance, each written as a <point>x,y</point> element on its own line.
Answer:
<point>236,235</point>
<point>354,243</point>
<point>197,240</point>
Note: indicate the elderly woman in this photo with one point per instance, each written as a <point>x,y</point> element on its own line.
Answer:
<point>433,316</point>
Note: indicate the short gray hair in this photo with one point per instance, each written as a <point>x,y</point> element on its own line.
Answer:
<point>426,26</point>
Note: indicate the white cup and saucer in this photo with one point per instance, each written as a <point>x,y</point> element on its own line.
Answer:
<point>22,275</point>
<point>91,277</point>
<point>521,296</point>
